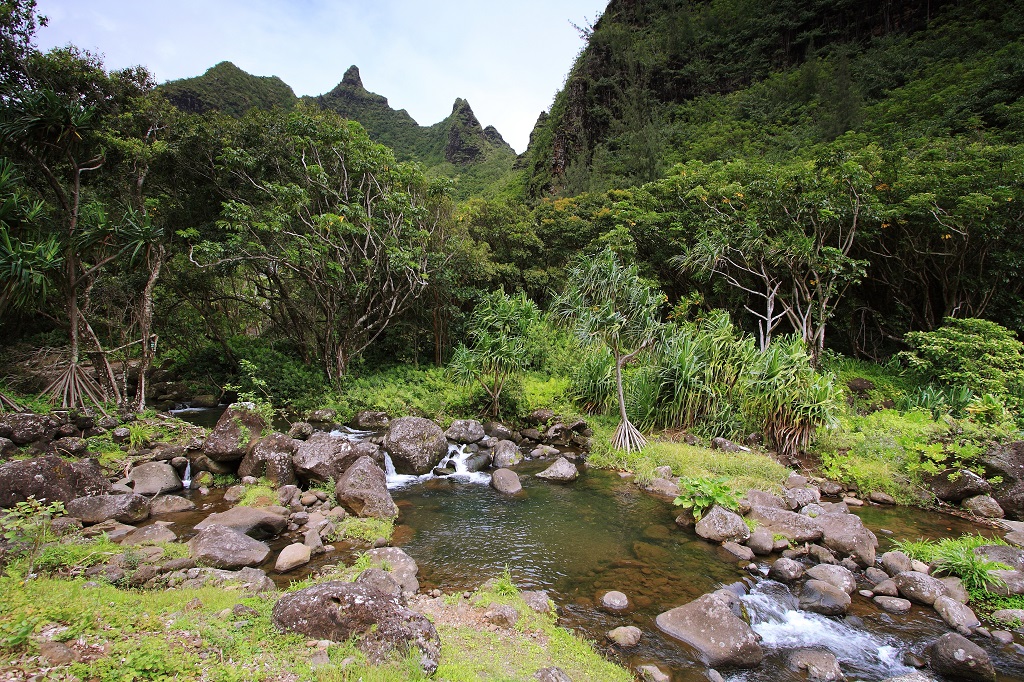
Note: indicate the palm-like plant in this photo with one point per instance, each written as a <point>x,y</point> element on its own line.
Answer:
<point>609,303</point>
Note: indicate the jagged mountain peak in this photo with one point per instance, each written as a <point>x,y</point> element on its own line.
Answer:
<point>351,78</point>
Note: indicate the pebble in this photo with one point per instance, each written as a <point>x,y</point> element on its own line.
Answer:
<point>615,600</point>
<point>867,594</point>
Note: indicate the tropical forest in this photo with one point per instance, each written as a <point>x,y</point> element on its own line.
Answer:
<point>722,378</point>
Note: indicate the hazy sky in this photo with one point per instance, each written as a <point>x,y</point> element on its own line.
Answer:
<point>507,58</point>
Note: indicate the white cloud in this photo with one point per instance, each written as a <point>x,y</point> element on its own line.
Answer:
<point>507,59</point>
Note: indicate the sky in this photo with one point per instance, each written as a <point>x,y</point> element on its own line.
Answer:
<point>507,58</point>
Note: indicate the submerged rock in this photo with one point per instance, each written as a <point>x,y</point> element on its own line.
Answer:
<point>625,636</point>
<point>709,625</point>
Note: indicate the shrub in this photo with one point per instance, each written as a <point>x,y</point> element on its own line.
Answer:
<point>700,494</point>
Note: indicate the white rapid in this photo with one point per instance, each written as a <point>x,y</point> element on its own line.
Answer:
<point>456,459</point>
<point>186,480</point>
<point>782,626</point>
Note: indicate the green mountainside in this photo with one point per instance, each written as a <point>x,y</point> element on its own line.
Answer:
<point>227,88</point>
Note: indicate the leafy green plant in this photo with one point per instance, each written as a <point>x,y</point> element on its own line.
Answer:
<point>956,557</point>
<point>700,494</point>
<point>503,585</point>
<point>26,526</point>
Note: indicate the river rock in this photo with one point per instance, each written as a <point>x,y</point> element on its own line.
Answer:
<point>709,625</point>
<point>300,430</point>
<point>223,547</point>
<point>292,556</point>
<point>170,504</point>
<point>238,428</point>
<point>721,525</point>
<point>322,457</point>
<point>875,575</point>
<point>252,521</point>
<point>1009,617</point>
<point>340,611</point>
<point>955,589</point>
<point>465,431</point>
<point>400,565</point>
<point>98,508</point>
<point>786,571</point>
<point>758,498</point>
<point>363,490</point>
<point>984,506</point>
<point>824,598</point>
<point>154,478</point>
<point>49,478</point>
<point>796,527</point>
<point>614,600</point>
<point>958,616</point>
<point>739,552</point>
<point>955,656</point>
<point>1013,582</point>
<point>918,587</point>
<point>152,534</point>
<point>498,430</point>
<point>1011,556</point>
<point>894,605</point>
<point>506,454</point>
<point>760,542</point>
<point>25,427</point>
<point>801,497</point>
<point>886,588</point>
<point>371,420</point>
<point>846,534</point>
<point>625,636</point>
<point>383,581</point>
<point>271,457</point>
<point>819,665</point>
<point>562,470</point>
<point>837,576</point>
<point>895,562</point>
<point>415,444</point>
<point>1007,462</point>
<point>506,481</point>
<point>648,673</point>
<point>957,485</point>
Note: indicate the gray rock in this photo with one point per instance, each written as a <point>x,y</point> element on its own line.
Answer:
<point>98,508</point>
<point>401,566</point>
<point>252,521</point>
<point>892,604</point>
<point>551,675</point>
<point>506,454</point>
<point>1002,636</point>
<point>170,504</point>
<point>834,575</point>
<point>300,430</point>
<point>223,547</point>
<point>537,600</point>
<point>1010,556</point>
<point>875,575</point>
<point>819,665</point>
<point>957,616</point>
<point>625,636</point>
<point>506,481</point>
<point>918,587</point>
<point>415,444</point>
<point>758,498</point>
<point>25,427</point>
<point>895,562</point>
<point>846,534</point>
<point>709,625</point>
<point>886,588</point>
<point>322,457</point>
<point>956,486</point>
<point>878,497</point>
<point>271,457</point>
<point>501,614</point>
<point>562,470</point>
<point>824,598</point>
<point>955,589</point>
<point>340,611</point>
<point>739,552</point>
<point>1013,582</point>
<point>371,420</point>
<point>1011,617</point>
<point>614,600</point>
<point>760,541</point>
<point>7,447</point>
<point>786,571</point>
<point>652,673</point>
<point>984,506</point>
<point>915,676</point>
<point>383,581</point>
<point>721,525</point>
<point>154,478</point>
<point>794,526</point>
<point>234,494</point>
<point>292,556</point>
<point>238,428</point>
<point>148,535</point>
<point>49,478</point>
<point>801,497</point>
<point>726,445</point>
<point>465,431</point>
<point>363,490</point>
<point>955,656</point>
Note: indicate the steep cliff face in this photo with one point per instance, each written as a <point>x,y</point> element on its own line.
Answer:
<point>227,88</point>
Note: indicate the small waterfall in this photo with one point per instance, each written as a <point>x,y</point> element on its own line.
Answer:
<point>186,480</point>
<point>397,480</point>
<point>458,459</point>
<point>774,615</point>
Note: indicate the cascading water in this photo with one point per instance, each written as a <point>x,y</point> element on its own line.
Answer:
<point>457,459</point>
<point>186,480</point>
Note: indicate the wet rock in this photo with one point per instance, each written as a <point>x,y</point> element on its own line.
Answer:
<point>49,478</point>
<point>271,457</point>
<point>223,547</point>
<point>236,430</point>
<point>300,430</point>
<point>794,526</point>
<point>625,636</point>
<point>895,562</point>
<point>170,504</point>
<point>910,677</point>
<point>401,566</point>
<point>562,471</point>
<point>1002,636</point>
<point>383,581</point>
<point>341,611</point>
<point>957,616</point>
<point>709,625</point>
<point>786,571</point>
<point>323,457</point>
<point>652,673</point>
<point>148,535</point>
<point>252,521</point>
<point>363,490</point>
<point>886,588</point>
<point>819,665</point>
<point>957,485</point>
<point>371,420</point>
<point>894,605</point>
<point>721,525</point>
<point>506,454</point>
<point>98,508</point>
<point>291,557</point>
<point>984,506</point>
<point>738,551</point>
<point>465,431</point>
<point>416,445</point>
<point>821,597</point>
<point>955,589</point>
<point>796,498</point>
<point>875,575</point>
<point>834,575</point>
<point>955,656</point>
<point>615,601</point>
<point>760,542</point>
<point>918,587</point>
<point>154,478</point>
<point>506,481</point>
<point>846,534</point>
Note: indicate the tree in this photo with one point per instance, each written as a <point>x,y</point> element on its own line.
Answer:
<point>607,302</point>
<point>498,330</point>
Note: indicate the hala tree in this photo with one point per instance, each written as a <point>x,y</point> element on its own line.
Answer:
<point>607,302</point>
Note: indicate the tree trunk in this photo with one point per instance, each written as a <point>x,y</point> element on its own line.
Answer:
<point>627,437</point>
<point>146,327</point>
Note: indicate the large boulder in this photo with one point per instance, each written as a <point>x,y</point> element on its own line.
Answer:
<point>25,427</point>
<point>153,478</point>
<point>562,470</point>
<point>271,457</point>
<point>721,525</point>
<point>958,616</point>
<point>919,587</point>
<point>340,611</point>
<point>223,547</point>
<point>99,508</point>
<point>252,521</point>
<point>824,598</point>
<point>363,490</point>
<point>506,454</point>
<point>323,456</point>
<point>49,478</point>
<point>415,444</point>
<point>984,506</point>
<point>506,481</point>
<point>709,625</point>
<point>838,576</point>
<point>1007,462</point>
<point>237,429</point>
<point>400,565</point>
<point>846,534</point>
<point>465,431</point>
<point>954,485</point>
<point>958,658</point>
<point>796,527</point>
